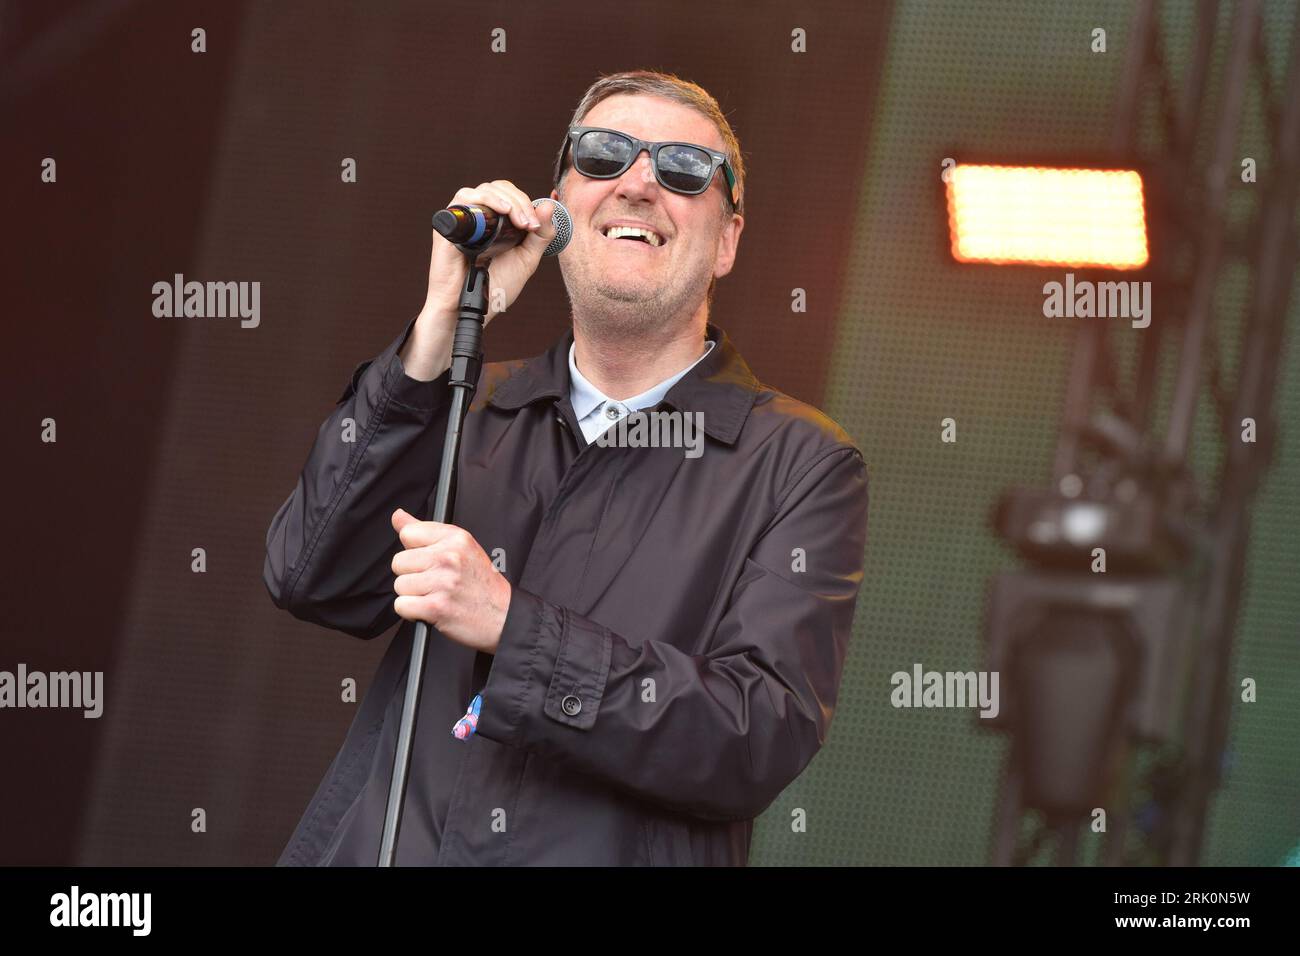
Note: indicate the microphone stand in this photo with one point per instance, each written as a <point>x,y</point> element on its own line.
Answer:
<point>466,359</point>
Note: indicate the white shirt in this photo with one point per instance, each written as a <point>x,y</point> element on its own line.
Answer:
<point>596,411</point>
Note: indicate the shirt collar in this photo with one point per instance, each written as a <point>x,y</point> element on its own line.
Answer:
<point>586,397</point>
<point>720,385</point>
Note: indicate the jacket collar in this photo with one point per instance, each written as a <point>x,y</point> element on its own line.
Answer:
<point>720,386</point>
<point>587,396</point>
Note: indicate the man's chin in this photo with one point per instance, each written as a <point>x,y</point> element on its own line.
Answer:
<point>627,295</point>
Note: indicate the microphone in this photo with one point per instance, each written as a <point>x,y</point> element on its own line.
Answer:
<point>477,229</point>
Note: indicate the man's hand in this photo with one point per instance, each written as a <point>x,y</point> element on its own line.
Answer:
<point>446,579</point>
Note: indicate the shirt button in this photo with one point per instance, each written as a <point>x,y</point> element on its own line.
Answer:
<point>611,411</point>
<point>571,705</point>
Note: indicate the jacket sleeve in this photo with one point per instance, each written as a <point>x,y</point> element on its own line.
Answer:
<point>724,732</point>
<point>330,547</point>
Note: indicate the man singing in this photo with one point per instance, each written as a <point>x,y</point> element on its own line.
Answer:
<point>633,650</point>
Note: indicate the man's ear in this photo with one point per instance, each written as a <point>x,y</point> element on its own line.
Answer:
<point>728,243</point>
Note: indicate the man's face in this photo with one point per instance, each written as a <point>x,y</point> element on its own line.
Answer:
<point>633,282</point>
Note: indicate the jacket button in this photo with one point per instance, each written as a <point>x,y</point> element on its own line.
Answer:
<point>571,705</point>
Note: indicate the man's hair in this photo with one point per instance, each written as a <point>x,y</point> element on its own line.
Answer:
<point>670,87</point>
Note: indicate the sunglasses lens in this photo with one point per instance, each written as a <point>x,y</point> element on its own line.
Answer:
<point>601,154</point>
<point>685,168</point>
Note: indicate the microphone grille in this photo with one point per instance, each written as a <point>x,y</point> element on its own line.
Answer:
<point>563,226</point>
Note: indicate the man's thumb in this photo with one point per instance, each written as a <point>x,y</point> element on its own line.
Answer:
<point>546,217</point>
<point>402,518</point>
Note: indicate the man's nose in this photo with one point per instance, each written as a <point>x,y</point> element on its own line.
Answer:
<point>638,180</point>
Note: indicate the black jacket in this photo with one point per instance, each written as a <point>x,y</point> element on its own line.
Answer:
<point>672,652</point>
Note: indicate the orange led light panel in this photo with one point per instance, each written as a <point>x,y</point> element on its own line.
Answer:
<point>1039,215</point>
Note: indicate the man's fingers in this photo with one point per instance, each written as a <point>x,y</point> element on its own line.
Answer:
<point>418,584</point>
<point>546,216</point>
<point>506,199</point>
<point>487,194</point>
<point>522,205</point>
<point>413,560</point>
<point>413,608</point>
<point>401,518</point>
<point>491,196</point>
<point>419,534</point>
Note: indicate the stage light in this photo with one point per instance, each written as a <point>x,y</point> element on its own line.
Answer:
<point>1038,215</point>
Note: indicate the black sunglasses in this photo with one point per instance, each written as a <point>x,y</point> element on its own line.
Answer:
<point>681,167</point>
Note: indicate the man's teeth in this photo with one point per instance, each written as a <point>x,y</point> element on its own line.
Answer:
<point>620,232</point>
